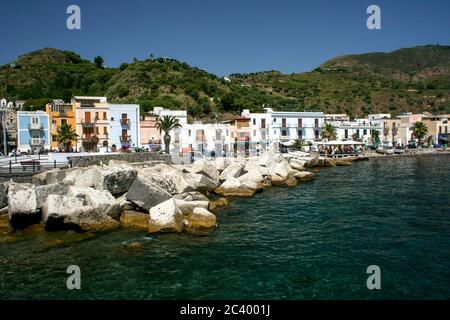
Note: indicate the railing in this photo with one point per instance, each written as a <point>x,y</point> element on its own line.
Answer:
<point>37,142</point>
<point>125,122</point>
<point>125,139</point>
<point>87,124</point>
<point>35,126</point>
<point>32,166</point>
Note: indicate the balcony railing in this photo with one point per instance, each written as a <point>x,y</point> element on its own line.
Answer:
<point>125,122</point>
<point>87,124</point>
<point>125,139</point>
<point>37,142</point>
<point>35,126</point>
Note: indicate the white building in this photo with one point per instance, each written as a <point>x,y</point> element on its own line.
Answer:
<point>275,127</point>
<point>124,125</point>
<point>359,129</point>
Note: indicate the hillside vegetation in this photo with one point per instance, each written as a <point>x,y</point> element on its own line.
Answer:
<point>414,79</point>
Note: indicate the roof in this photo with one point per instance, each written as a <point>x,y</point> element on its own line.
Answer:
<point>339,143</point>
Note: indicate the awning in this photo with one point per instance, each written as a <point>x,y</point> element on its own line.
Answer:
<point>339,143</point>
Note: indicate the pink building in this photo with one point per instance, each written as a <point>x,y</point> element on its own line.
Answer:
<point>149,133</point>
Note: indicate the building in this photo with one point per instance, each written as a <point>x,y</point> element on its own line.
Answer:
<point>336,117</point>
<point>92,123</point>
<point>8,126</point>
<point>390,131</point>
<point>282,127</point>
<point>124,120</point>
<point>60,113</point>
<point>150,135</point>
<point>240,136</point>
<point>438,128</point>
<point>359,130</point>
<point>406,127</point>
<point>33,132</point>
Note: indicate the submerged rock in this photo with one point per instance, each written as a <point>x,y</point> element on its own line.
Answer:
<point>304,176</point>
<point>200,220</point>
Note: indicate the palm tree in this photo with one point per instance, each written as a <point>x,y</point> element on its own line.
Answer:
<point>166,124</point>
<point>375,137</point>
<point>298,145</point>
<point>420,130</point>
<point>329,132</point>
<point>65,135</point>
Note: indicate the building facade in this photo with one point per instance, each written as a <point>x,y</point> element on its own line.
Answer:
<point>33,134</point>
<point>124,121</point>
<point>92,123</point>
<point>359,130</point>
<point>60,113</point>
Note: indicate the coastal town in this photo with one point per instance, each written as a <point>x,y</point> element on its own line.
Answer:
<point>97,126</point>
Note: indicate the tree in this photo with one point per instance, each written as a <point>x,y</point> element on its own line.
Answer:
<point>420,130</point>
<point>329,132</point>
<point>98,60</point>
<point>167,124</point>
<point>298,145</point>
<point>375,137</point>
<point>65,135</point>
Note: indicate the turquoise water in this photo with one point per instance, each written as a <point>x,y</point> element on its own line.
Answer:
<point>313,241</point>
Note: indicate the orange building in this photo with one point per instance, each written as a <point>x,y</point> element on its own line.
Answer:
<point>60,113</point>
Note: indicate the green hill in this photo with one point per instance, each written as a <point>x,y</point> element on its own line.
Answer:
<point>413,79</point>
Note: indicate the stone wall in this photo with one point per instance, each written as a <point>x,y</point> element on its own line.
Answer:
<point>85,161</point>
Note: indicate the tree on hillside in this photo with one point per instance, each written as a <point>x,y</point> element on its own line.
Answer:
<point>65,135</point>
<point>329,132</point>
<point>167,124</point>
<point>98,60</point>
<point>420,130</point>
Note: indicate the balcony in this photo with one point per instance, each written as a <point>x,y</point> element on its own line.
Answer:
<point>35,126</point>
<point>125,122</point>
<point>37,142</point>
<point>87,124</point>
<point>125,139</point>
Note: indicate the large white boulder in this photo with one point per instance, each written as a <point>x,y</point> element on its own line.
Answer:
<point>146,194</point>
<point>43,191</point>
<point>252,176</point>
<point>57,207</point>
<point>222,163</point>
<point>297,164</point>
<point>167,178</point>
<point>206,168</point>
<point>233,187</point>
<point>304,176</point>
<point>102,201</point>
<point>234,170</point>
<point>116,179</point>
<point>165,217</point>
<point>187,207</point>
<point>22,202</point>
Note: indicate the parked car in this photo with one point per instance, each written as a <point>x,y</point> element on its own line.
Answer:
<point>399,151</point>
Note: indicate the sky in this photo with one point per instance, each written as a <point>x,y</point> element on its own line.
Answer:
<point>222,37</point>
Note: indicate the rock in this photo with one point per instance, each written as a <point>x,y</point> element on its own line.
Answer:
<point>146,194</point>
<point>304,176</point>
<point>165,217</point>
<point>222,163</point>
<point>134,245</point>
<point>221,202</point>
<point>116,180</point>
<point>133,219</point>
<point>200,220</point>
<point>191,196</point>
<point>206,168</point>
<point>81,177</point>
<point>3,194</point>
<point>126,205</point>
<point>252,176</point>
<point>297,164</point>
<point>88,218</point>
<point>168,179</point>
<point>202,182</point>
<point>187,207</point>
<point>115,163</point>
<point>234,170</point>
<point>291,181</point>
<point>233,187</point>
<point>22,204</point>
<point>101,201</point>
<point>56,208</point>
<point>52,176</point>
<point>5,226</point>
<point>43,191</point>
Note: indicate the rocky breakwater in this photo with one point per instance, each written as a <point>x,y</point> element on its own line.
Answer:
<point>157,197</point>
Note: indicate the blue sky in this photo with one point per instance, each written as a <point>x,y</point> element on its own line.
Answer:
<point>225,36</point>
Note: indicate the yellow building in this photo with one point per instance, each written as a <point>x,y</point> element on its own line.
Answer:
<point>60,113</point>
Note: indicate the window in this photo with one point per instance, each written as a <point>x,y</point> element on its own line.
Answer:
<point>63,121</point>
<point>299,123</point>
<point>104,116</point>
<point>97,130</point>
<point>300,133</point>
<point>346,134</point>
<point>446,130</point>
<point>254,133</point>
<point>316,123</point>
<point>112,118</point>
<point>283,122</point>
<point>316,134</point>
<point>440,129</point>
<point>96,116</point>
<point>35,120</point>
<point>54,138</point>
<point>254,122</point>
<point>284,132</point>
<point>274,120</point>
<point>105,131</point>
<point>365,132</point>
<point>263,123</point>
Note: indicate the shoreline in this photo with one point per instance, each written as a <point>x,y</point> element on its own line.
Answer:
<point>191,211</point>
